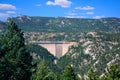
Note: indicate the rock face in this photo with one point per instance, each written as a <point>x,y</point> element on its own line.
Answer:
<point>58,49</point>
<point>97,51</point>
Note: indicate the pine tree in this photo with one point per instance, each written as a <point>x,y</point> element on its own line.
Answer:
<point>15,62</point>
<point>43,72</point>
<point>113,72</point>
<point>92,75</point>
<point>69,74</point>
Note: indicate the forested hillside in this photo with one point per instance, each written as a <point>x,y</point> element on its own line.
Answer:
<point>95,50</point>
<point>61,24</point>
<point>60,28</point>
<point>94,56</point>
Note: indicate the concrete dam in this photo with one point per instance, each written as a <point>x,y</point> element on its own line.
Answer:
<point>58,49</point>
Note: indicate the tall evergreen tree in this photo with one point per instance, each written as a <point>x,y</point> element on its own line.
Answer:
<point>92,75</point>
<point>113,72</point>
<point>69,74</point>
<point>43,72</point>
<point>15,62</point>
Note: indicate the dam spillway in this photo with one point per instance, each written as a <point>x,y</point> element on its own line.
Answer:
<point>58,49</point>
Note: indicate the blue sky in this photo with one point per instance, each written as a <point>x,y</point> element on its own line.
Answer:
<point>61,8</point>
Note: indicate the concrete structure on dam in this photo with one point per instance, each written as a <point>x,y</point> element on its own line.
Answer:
<point>58,49</point>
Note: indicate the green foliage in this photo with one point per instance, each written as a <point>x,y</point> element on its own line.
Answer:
<point>113,72</point>
<point>42,54</point>
<point>63,62</point>
<point>15,60</point>
<point>43,72</point>
<point>40,51</point>
<point>92,75</point>
<point>104,46</point>
<point>69,74</point>
<point>60,24</point>
<point>2,26</point>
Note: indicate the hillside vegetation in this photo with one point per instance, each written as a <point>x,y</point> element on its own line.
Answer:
<point>95,56</point>
<point>95,50</point>
<point>60,24</point>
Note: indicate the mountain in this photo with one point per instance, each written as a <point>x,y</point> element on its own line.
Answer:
<point>61,24</point>
<point>97,41</point>
<point>60,28</point>
<point>2,25</point>
<point>94,50</point>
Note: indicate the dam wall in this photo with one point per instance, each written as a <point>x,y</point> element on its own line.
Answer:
<point>58,49</point>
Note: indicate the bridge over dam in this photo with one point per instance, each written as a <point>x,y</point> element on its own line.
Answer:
<point>58,49</point>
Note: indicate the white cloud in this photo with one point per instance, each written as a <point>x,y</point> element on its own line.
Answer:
<point>7,7</point>
<point>97,17</point>
<point>62,3</point>
<point>85,8</point>
<point>11,12</point>
<point>3,15</point>
<point>38,5</point>
<point>90,13</point>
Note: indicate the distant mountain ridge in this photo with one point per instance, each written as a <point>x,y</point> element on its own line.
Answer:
<point>2,25</point>
<point>29,23</point>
